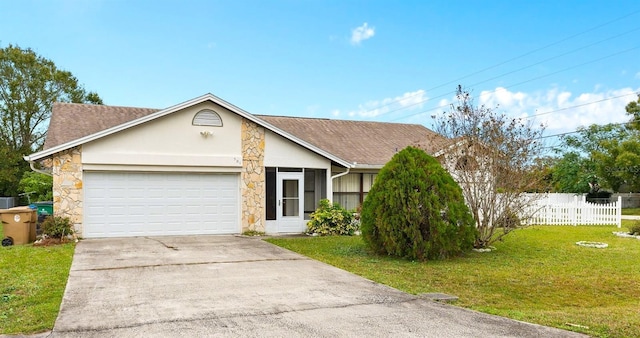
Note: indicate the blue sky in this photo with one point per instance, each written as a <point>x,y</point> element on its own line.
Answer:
<point>389,60</point>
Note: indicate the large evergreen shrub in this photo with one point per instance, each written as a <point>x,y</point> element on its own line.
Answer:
<point>416,210</point>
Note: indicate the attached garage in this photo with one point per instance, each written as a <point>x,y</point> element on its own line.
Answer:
<point>122,204</point>
<point>203,166</point>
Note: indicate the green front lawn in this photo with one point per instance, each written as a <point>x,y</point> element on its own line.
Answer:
<point>537,275</point>
<point>32,282</point>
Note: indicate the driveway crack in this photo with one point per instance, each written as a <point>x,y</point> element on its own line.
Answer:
<point>163,243</point>
<point>233,315</point>
<point>192,263</point>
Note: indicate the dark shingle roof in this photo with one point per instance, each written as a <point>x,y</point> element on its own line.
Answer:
<point>364,142</point>
<point>71,121</point>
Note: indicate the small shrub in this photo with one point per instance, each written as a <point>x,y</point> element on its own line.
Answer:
<point>332,219</point>
<point>57,227</point>
<point>634,229</point>
<point>253,233</point>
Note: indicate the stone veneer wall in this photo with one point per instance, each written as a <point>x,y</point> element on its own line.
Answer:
<point>67,186</point>
<point>252,177</point>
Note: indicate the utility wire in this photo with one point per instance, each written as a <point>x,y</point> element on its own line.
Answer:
<point>516,58</point>
<point>526,81</point>
<point>579,105</point>
<point>514,71</point>
<point>577,131</point>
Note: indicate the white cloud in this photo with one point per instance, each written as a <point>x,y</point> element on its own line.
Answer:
<point>562,111</point>
<point>362,33</point>
<point>404,102</point>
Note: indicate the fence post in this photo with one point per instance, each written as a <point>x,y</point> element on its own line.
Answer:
<point>574,211</point>
<point>619,211</point>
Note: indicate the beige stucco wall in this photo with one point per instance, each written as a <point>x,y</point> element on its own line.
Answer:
<point>280,152</point>
<point>67,186</point>
<point>172,141</point>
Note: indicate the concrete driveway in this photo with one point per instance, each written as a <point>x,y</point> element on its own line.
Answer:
<point>244,287</point>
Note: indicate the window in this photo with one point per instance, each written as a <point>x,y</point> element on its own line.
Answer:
<point>350,190</point>
<point>207,117</point>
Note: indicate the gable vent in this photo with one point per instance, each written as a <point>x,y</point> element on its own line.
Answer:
<point>207,117</point>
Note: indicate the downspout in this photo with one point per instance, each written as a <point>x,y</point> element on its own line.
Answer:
<point>31,165</point>
<point>330,196</point>
<point>343,173</point>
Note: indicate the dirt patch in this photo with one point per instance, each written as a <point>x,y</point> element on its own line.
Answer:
<point>51,241</point>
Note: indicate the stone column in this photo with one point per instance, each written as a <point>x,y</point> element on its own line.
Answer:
<point>252,177</point>
<point>67,186</point>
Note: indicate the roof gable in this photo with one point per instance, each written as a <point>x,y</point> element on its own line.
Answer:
<point>368,144</point>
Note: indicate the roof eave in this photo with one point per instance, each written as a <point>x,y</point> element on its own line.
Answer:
<point>368,166</point>
<point>207,97</point>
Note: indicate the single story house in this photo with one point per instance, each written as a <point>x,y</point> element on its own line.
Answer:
<point>205,166</point>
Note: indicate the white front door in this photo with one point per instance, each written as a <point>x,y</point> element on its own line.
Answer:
<point>290,192</point>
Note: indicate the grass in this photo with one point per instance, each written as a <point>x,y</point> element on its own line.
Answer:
<point>538,275</point>
<point>631,211</point>
<point>32,282</point>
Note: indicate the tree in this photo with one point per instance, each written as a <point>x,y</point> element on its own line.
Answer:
<point>607,155</point>
<point>29,84</point>
<point>491,156</point>
<point>573,173</point>
<point>416,210</point>
<point>38,186</point>
<point>633,109</point>
<point>619,162</point>
<point>542,172</point>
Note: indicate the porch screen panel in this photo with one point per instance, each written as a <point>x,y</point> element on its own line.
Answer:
<point>270,193</point>
<point>315,189</point>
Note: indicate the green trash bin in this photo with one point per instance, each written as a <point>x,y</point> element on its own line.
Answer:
<point>44,209</point>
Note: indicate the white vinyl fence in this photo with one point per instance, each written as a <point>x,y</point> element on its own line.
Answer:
<point>563,209</point>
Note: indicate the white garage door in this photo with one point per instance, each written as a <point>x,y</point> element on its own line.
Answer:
<point>123,204</point>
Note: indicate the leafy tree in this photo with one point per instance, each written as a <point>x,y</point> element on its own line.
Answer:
<point>633,109</point>
<point>29,84</point>
<point>416,210</point>
<point>608,155</point>
<point>572,173</point>
<point>619,162</point>
<point>491,157</point>
<point>11,168</point>
<point>542,174</point>
<point>39,186</point>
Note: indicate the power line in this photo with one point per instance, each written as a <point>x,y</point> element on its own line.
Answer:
<point>580,105</point>
<point>577,131</point>
<point>516,58</point>
<point>517,70</point>
<point>526,81</point>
